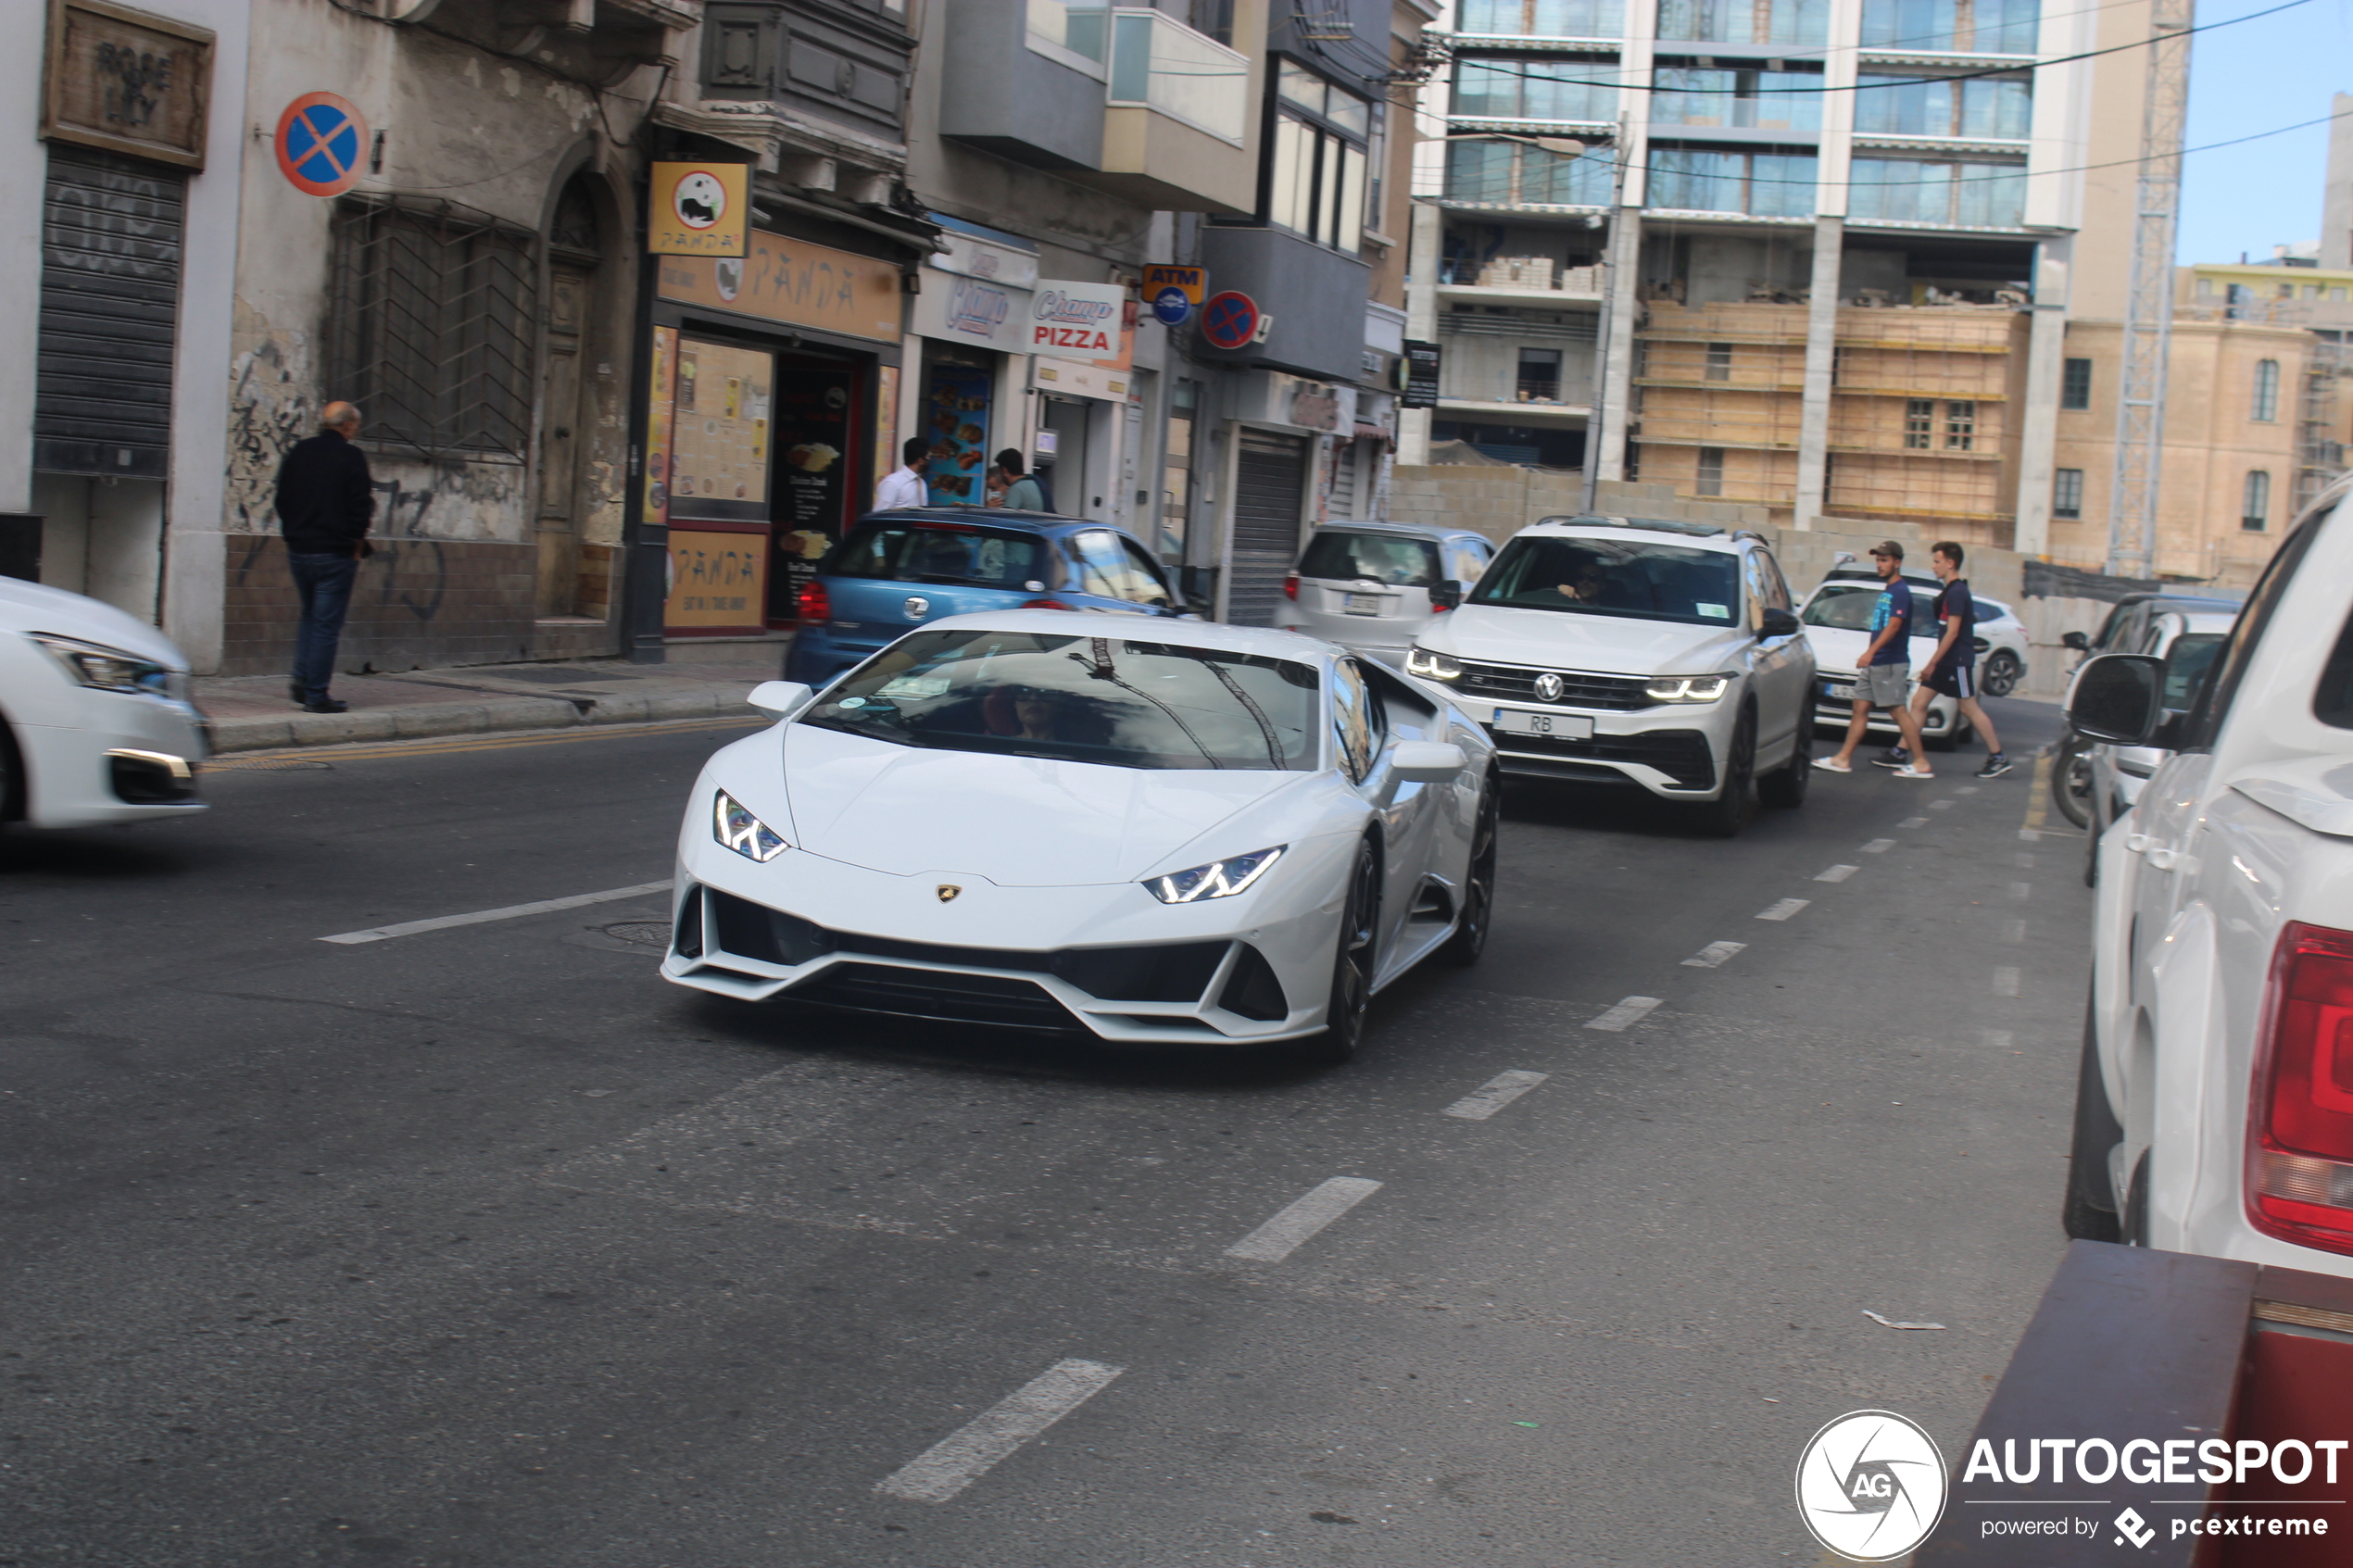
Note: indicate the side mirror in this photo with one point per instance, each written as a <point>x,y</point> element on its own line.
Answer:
<point>2119,698</point>
<point>2075,640</point>
<point>779,699</point>
<point>1428,762</point>
<point>1777,623</point>
<point>1446,596</point>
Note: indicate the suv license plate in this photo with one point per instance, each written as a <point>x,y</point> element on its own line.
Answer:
<point>1560,726</point>
<point>1361,604</point>
<point>1839,690</point>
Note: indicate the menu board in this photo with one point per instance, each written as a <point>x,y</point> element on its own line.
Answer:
<point>813,438</point>
<point>718,579</point>
<point>719,431</point>
<point>955,416</point>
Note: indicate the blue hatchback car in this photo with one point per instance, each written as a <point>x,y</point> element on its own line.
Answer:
<point>901,568</point>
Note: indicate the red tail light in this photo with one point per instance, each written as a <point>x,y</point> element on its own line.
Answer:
<point>1291,585</point>
<point>814,606</point>
<point>2299,1155</point>
<point>1045,604</point>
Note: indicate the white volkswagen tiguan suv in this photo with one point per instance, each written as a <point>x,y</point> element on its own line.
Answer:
<point>1633,651</point>
<point>2214,1106</point>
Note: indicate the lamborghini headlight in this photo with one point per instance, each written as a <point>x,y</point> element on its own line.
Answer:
<point>1219,879</point>
<point>1431,666</point>
<point>742,831</point>
<point>1686,688</point>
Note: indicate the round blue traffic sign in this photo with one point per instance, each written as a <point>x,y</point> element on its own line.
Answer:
<point>1170,307</point>
<point>1229,320</point>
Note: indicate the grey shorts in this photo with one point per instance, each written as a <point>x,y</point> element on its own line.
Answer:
<point>1884,686</point>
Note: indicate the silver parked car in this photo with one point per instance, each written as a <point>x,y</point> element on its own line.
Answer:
<point>1372,586</point>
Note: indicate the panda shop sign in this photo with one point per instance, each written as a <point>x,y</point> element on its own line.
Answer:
<point>699,209</point>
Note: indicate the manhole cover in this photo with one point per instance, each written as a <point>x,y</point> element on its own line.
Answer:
<point>651,933</point>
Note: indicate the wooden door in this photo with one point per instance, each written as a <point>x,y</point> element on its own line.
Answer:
<point>568,293</point>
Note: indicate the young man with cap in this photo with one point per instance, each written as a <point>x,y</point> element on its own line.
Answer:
<point>1884,675</point>
<point>1952,669</point>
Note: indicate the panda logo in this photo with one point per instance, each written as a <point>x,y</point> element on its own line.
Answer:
<point>700,200</point>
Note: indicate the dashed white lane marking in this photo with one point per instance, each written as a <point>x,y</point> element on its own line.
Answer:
<point>1940,805</point>
<point>2006,982</point>
<point>1783,909</point>
<point>1629,1012</point>
<point>2029,836</point>
<point>1836,873</point>
<point>2013,931</point>
<point>512,911</point>
<point>1493,1095</point>
<point>1999,1040</point>
<point>1712,954</point>
<point>1879,847</point>
<point>969,1452</point>
<point>2026,856</point>
<point>1913,823</point>
<point>1274,1240</point>
<point>2022,890</point>
<point>1966,789</point>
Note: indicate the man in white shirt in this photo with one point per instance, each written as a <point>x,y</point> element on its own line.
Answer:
<point>903,486</point>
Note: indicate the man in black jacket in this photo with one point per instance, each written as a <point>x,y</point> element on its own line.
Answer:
<point>325,502</point>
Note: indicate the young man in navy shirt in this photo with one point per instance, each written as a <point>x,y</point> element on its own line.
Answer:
<point>1882,676</point>
<point>1952,669</point>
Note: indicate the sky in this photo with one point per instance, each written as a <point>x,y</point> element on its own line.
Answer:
<point>2269,73</point>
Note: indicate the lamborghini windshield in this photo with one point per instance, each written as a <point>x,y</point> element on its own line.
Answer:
<point>1112,700</point>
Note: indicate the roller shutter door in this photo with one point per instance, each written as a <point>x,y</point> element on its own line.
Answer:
<point>111,243</point>
<point>1271,476</point>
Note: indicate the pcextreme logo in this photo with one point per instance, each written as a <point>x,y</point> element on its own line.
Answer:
<point>1871,1486</point>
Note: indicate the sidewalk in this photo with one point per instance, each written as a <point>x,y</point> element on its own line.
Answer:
<point>253,713</point>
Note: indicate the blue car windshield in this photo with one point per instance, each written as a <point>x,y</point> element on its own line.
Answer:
<point>1623,577</point>
<point>953,553</point>
<point>1113,701</point>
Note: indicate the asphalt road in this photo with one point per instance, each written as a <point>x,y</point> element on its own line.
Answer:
<point>483,1246</point>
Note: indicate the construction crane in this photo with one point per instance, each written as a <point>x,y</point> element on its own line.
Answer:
<point>2148,307</point>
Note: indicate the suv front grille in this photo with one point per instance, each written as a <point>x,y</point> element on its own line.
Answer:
<point>1510,683</point>
<point>1681,755</point>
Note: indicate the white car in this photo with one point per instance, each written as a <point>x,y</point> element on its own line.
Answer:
<point>2002,645</point>
<point>95,725</point>
<point>1838,620</point>
<point>1372,586</point>
<point>2214,1110</point>
<point>1636,651</point>
<point>1183,835</point>
<point>2188,642</point>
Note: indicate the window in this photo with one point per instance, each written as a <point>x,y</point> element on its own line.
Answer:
<point>1582,576</point>
<point>1505,172</point>
<point>1996,107</point>
<point>433,316</point>
<point>2067,493</point>
<point>1962,27</point>
<point>1318,184</point>
<point>2075,384</point>
<point>1919,423</point>
<point>1760,185</point>
<point>1077,25</point>
<point>1545,19</point>
<point>1529,89</point>
<point>1720,361</point>
<point>1978,196</point>
<point>1356,727</point>
<point>1111,568</point>
<point>2255,513</point>
<point>1687,96</point>
<point>1711,470</point>
<point>1540,375</point>
<point>1335,555</point>
<point>963,556</point>
<point>1960,426</point>
<point>2267,390</point>
<point>1745,21</point>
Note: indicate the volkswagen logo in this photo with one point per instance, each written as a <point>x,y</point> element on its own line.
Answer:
<point>1871,1486</point>
<point>948,891</point>
<point>917,607</point>
<point>1549,688</point>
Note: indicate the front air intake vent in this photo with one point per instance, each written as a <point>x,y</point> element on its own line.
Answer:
<point>1251,990</point>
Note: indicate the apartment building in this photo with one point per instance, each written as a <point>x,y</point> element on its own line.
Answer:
<point>1807,257</point>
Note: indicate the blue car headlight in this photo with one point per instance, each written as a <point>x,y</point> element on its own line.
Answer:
<point>742,831</point>
<point>1219,879</point>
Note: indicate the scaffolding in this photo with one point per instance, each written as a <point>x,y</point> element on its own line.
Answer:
<point>2320,456</point>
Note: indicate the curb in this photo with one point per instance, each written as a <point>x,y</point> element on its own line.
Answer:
<point>491,716</point>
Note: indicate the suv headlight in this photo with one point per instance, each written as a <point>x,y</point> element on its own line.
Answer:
<point>1431,666</point>
<point>742,831</point>
<point>1219,879</point>
<point>1687,688</point>
<point>108,670</point>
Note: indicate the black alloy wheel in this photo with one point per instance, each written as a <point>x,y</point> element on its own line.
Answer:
<point>1728,813</point>
<point>1786,787</point>
<point>1999,678</point>
<point>1352,995</point>
<point>1469,940</point>
<point>2071,778</point>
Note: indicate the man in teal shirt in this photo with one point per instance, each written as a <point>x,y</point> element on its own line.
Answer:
<point>1884,678</point>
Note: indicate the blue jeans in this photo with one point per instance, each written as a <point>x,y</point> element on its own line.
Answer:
<point>324,582</point>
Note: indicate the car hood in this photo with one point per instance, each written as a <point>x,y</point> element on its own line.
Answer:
<point>1020,821</point>
<point>30,607</point>
<point>1837,652</point>
<point>1609,645</point>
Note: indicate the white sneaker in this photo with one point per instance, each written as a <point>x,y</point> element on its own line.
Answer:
<point>1908,771</point>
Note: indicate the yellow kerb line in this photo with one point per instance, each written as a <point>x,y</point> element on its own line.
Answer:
<point>378,751</point>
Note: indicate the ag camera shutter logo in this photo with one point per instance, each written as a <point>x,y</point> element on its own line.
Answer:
<point>1871,1486</point>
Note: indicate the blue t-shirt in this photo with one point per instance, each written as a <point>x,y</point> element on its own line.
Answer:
<point>1894,604</point>
<point>1955,603</point>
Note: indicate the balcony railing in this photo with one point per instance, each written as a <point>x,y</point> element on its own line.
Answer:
<point>1159,63</point>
